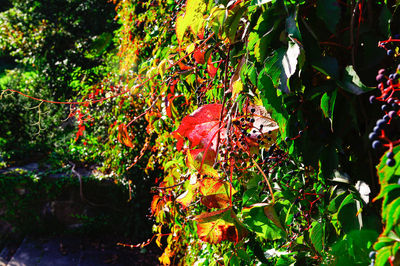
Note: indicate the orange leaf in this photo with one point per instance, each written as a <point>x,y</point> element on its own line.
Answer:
<point>123,136</point>
<point>216,193</point>
<point>216,201</point>
<point>222,225</point>
<point>198,56</point>
<point>182,66</point>
<point>211,69</point>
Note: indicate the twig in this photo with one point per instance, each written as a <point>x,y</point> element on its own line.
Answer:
<point>266,180</point>
<point>176,185</point>
<point>223,99</point>
<point>352,44</point>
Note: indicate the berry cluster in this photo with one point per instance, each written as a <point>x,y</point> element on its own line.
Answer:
<point>372,256</point>
<point>388,84</point>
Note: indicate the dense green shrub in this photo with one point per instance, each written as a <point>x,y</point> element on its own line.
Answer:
<point>53,49</point>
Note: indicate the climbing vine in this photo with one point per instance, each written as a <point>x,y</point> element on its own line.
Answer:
<point>256,112</point>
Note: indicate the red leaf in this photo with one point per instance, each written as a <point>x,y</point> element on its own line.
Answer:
<point>123,136</point>
<point>198,56</point>
<point>201,127</point>
<point>211,69</point>
<point>182,66</point>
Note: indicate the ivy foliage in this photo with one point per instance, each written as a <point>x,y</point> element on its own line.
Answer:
<point>216,74</point>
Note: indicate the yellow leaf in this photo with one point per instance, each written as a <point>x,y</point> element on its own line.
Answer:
<point>237,87</point>
<point>192,18</point>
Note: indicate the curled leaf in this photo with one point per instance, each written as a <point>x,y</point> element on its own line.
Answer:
<point>123,136</point>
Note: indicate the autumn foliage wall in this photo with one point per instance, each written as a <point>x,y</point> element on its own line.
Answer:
<point>257,113</point>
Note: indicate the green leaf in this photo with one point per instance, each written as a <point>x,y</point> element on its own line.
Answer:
<point>354,248</point>
<point>327,66</point>
<point>391,215</point>
<point>262,220</point>
<point>328,103</point>
<point>232,22</point>
<point>386,189</point>
<point>352,83</point>
<point>384,19</point>
<point>329,12</point>
<point>386,173</point>
<point>335,203</point>
<point>317,235</point>
<point>347,214</point>
<point>382,256</point>
<point>271,101</point>
<point>382,242</point>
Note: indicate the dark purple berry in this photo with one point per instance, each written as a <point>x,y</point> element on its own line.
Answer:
<point>390,155</point>
<point>373,136</point>
<point>381,123</point>
<point>372,254</point>
<point>391,114</point>
<point>390,162</point>
<point>301,132</point>
<point>377,130</point>
<point>376,144</point>
<point>390,52</point>
<point>253,110</point>
<point>396,76</point>
<point>386,118</point>
<point>287,139</point>
<point>372,99</point>
<point>391,76</point>
<point>385,107</point>
<point>380,78</point>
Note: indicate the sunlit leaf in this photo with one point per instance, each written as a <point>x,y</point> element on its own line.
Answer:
<point>200,127</point>
<point>123,136</point>
<point>317,235</point>
<point>193,18</point>
<point>222,225</point>
<point>262,219</point>
<point>216,193</point>
<point>187,197</point>
<point>194,160</point>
